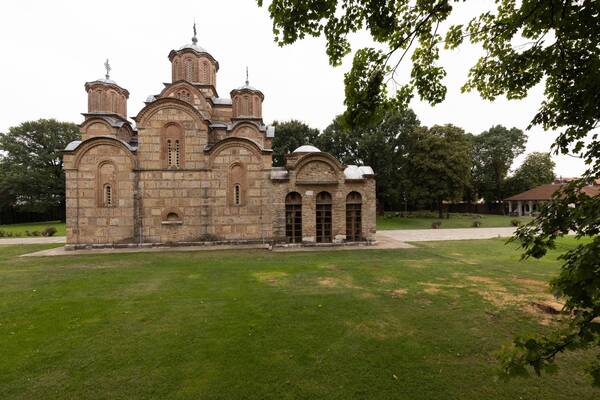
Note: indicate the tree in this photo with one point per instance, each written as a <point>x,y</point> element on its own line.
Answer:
<point>289,135</point>
<point>525,43</point>
<point>439,164</point>
<point>32,175</point>
<point>493,153</point>
<point>536,170</point>
<point>383,146</point>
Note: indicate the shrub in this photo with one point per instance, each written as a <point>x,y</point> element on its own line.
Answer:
<point>49,231</point>
<point>476,224</point>
<point>6,233</point>
<point>36,233</point>
<point>515,222</point>
<point>436,224</point>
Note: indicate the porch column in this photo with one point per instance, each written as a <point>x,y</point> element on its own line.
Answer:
<point>509,207</point>
<point>530,207</point>
<point>519,208</point>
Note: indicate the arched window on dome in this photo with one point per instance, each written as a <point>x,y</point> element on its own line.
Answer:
<point>113,102</point>
<point>246,105</point>
<point>175,70</point>
<point>189,70</point>
<point>257,106</point>
<point>205,73</point>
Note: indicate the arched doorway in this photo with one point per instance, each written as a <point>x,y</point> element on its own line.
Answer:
<point>293,217</point>
<point>353,217</point>
<point>323,214</point>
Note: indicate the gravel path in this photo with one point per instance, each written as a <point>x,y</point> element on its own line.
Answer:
<point>422,235</point>
<point>393,239</point>
<point>34,240</point>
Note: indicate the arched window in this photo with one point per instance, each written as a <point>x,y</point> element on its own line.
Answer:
<point>246,106</point>
<point>293,217</point>
<point>169,153</point>
<point>250,111</point>
<point>353,216</point>
<point>189,70</point>
<point>323,218</point>
<point>106,184</point>
<point>176,70</point>
<point>173,146</point>
<point>237,194</point>
<point>205,73</point>
<point>257,106</point>
<point>113,102</point>
<point>184,95</point>
<point>108,198</point>
<point>237,184</point>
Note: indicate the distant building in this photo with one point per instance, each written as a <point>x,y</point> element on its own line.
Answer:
<point>530,201</point>
<point>198,167</point>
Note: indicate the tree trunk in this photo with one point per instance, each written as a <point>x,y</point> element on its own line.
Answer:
<point>440,209</point>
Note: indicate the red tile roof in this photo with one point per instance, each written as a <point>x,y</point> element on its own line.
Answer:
<point>545,192</point>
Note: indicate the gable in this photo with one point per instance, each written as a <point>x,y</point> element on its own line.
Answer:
<point>316,172</point>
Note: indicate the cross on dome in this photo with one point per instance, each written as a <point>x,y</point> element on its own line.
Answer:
<point>108,69</point>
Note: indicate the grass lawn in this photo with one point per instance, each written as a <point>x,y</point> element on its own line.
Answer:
<point>374,324</point>
<point>19,229</point>
<point>390,221</point>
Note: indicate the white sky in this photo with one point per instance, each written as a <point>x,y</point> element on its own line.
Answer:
<point>51,48</point>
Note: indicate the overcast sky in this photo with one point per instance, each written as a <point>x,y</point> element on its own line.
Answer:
<point>51,48</point>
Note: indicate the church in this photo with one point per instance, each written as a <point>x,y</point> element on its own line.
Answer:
<point>196,168</point>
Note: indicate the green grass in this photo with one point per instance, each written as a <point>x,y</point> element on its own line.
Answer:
<point>19,229</point>
<point>374,324</point>
<point>391,221</point>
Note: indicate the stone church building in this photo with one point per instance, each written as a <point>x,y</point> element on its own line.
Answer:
<point>197,167</point>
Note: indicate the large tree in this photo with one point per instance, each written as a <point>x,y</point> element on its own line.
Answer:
<point>439,164</point>
<point>524,43</point>
<point>289,135</point>
<point>31,161</point>
<point>537,169</point>
<point>493,154</point>
<point>383,146</point>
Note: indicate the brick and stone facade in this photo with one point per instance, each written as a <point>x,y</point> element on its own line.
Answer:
<point>198,168</point>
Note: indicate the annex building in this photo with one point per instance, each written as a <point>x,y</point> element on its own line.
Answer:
<point>197,167</point>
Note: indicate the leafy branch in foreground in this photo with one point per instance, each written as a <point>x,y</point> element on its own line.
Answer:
<point>524,43</point>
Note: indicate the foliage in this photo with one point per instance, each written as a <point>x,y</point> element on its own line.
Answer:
<point>383,146</point>
<point>493,153</point>
<point>439,164</point>
<point>49,231</point>
<point>6,234</point>
<point>536,170</point>
<point>32,176</point>
<point>515,222</point>
<point>289,135</point>
<point>525,43</point>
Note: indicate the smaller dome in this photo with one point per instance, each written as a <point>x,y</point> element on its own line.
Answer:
<point>194,47</point>
<point>247,87</point>
<point>307,149</point>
